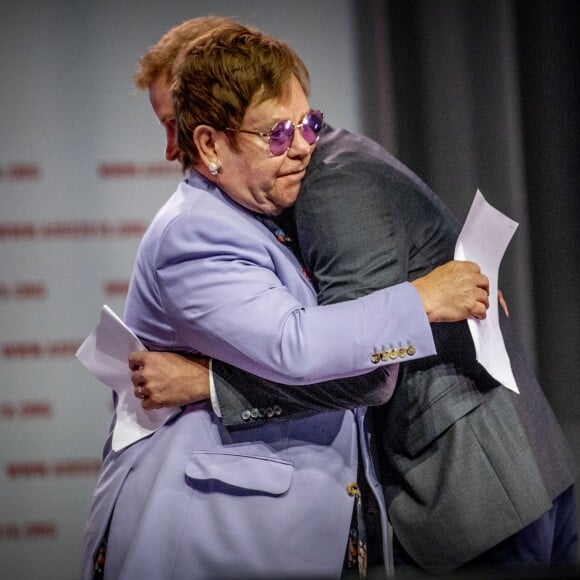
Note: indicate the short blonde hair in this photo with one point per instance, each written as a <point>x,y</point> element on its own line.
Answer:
<point>158,61</point>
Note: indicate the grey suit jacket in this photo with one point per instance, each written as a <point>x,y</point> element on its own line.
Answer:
<point>464,462</point>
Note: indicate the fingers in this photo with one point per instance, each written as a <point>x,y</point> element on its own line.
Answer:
<point>482,281</point>
<point>479,304</point>
<point>483,296</point>
<point>149,405</point>
<point>140,393</point>
<point>147,400</point>
<point>168,379</point>
<point>137,359</point>
<point>144,382</point>
<point>473,273</point>
<point>479,310</point>
<point>503,303</point>
<point>476,286</point>
<point>150,398</point>
<point>454,291</point>
<point>137,378</point>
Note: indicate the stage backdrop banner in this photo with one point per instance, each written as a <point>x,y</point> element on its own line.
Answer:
<point>81,175</point>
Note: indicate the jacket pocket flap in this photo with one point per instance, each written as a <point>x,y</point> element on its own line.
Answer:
<point>261,474</point>
<point>459,399</point>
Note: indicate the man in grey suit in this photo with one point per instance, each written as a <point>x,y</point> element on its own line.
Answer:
<point>470,469</point>
<point>465,462</point>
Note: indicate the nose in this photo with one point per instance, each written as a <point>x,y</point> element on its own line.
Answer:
<point>171,150</point>
<point>299,147</point>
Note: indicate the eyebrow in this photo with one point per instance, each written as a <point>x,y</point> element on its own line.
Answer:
<point>278,119</point>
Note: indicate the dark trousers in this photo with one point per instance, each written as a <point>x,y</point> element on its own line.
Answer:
<point>549,543</point>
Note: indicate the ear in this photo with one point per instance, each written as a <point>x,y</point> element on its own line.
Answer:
<point>205,139</point>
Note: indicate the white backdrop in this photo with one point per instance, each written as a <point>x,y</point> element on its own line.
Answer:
<point>81,175</point>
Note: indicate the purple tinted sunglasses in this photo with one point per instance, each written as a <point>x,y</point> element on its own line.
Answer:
<point>281,135</point>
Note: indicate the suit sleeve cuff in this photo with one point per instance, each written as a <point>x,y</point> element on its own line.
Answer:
<point>212,392</point>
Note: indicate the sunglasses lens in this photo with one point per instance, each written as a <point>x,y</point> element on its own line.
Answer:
<point>283,132</point>
<point>311,126</point>
<point>281,137</point>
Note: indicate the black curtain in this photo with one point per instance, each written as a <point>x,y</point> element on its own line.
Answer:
<point>548,35</point>
<point>484,94</point>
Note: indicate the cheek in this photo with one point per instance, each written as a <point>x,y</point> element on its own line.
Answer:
<point>263,175</point>
<point>255,172</point>
<point>171,137</point>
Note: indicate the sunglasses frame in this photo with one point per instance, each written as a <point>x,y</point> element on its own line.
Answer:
<point>285,122</point>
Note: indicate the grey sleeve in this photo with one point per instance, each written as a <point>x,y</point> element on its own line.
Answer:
<point>246,400</point>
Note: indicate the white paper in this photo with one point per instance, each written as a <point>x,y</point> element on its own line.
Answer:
<point>484,239</point>
<point>105,353</point>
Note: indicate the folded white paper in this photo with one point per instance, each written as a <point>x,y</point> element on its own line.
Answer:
<point>105,353</point>
<point>484,239</point>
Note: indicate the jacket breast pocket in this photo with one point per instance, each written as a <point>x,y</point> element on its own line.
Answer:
<point>239,473</point>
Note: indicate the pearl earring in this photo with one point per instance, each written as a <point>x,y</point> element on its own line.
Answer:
<point>213,168</point>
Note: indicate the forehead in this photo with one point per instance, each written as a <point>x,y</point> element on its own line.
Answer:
<point>292,104</point>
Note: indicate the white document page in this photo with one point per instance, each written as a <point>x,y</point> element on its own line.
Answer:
<point>484,239</point>
<point>105,353</point>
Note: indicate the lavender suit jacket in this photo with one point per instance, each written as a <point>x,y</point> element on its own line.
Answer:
<point>194,500</point>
